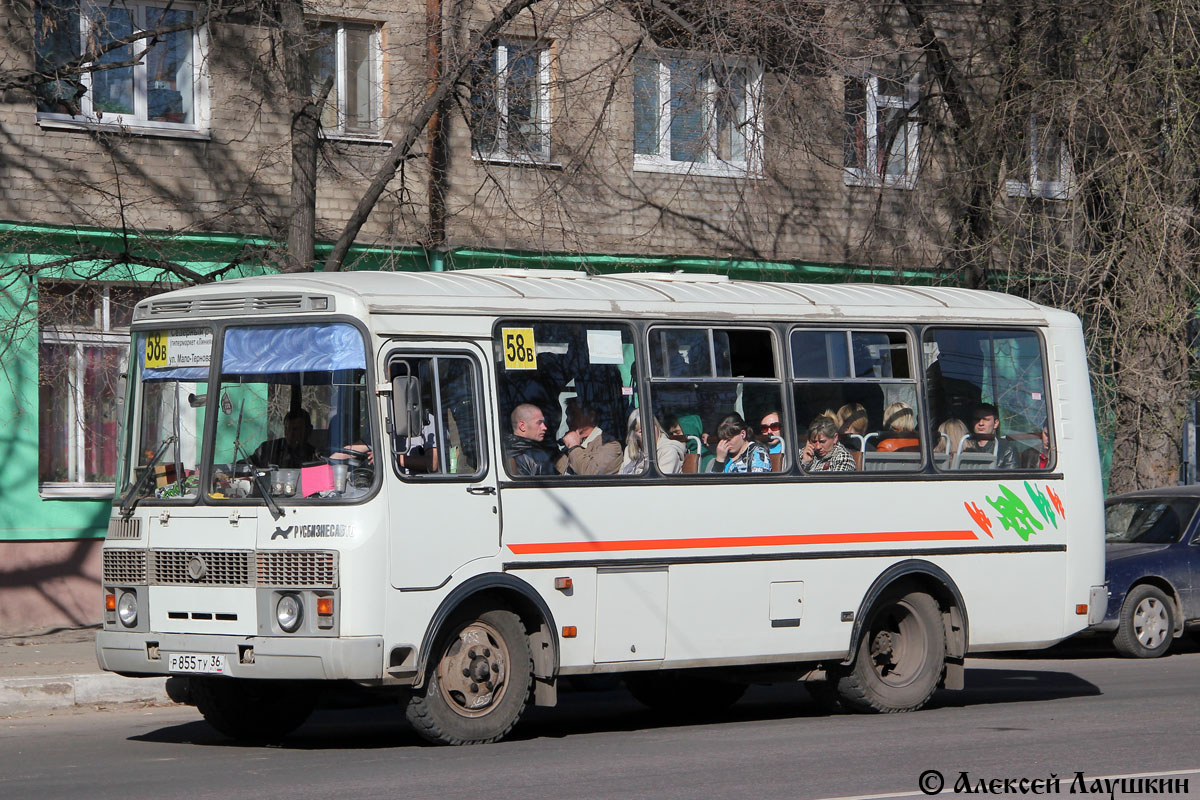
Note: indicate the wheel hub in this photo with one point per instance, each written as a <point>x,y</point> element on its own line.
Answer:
<point>1150,622</point>
<point>471,674</point>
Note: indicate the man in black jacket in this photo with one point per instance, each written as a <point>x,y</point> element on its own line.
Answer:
<point>526,453</point>
<point>986,438</point>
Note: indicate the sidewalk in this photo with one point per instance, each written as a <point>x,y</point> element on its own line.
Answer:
<point>57,669</point>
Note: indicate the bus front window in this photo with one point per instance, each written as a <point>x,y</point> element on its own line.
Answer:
<point>293,420</point>
<point>167,397</point>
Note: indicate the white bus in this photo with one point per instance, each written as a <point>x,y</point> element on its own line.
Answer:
<point>336,481</point>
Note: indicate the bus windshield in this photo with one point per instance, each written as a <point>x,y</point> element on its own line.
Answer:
<point>293,419</point>
<point>168,391</point>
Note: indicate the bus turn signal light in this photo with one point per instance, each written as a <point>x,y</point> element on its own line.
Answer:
<point>570,632</point>
<point>110,602</point>
<point>1081,609</point>
<point>325,606</point>
<point>563,584</point>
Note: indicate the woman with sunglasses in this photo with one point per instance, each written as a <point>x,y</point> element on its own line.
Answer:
<point>770,432</point>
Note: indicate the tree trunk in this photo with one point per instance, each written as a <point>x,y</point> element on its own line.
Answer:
<point>305,111</point>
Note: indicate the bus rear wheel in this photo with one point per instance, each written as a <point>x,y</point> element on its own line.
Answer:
<point>901,655</point>
<point>480,684</point>
<point>251,710</point>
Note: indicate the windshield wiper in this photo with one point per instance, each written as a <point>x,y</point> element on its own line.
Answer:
<point>130,500</point>
<point>263,489</point>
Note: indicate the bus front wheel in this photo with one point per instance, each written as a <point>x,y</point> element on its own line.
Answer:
<point>479,685</point>
<point>900,657</point>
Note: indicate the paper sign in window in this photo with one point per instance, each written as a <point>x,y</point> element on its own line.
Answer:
<point>604,347</point>
<point>316,479</point>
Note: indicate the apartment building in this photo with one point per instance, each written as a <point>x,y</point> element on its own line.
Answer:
<point>603,135</point>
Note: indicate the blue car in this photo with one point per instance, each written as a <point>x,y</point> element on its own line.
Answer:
<point>1152,562</point>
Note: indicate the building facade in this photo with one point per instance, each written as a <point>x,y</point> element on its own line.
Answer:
<point>147,143</point>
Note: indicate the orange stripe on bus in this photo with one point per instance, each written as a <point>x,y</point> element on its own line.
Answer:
<point>741,541</point>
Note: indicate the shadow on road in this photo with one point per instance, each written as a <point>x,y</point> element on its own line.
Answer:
<point>615,711</point>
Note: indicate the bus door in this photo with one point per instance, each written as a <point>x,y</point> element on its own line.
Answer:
<point>443,504</point>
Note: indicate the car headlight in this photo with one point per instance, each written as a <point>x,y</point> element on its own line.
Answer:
<point>127,609</point>
<point>288,611</point>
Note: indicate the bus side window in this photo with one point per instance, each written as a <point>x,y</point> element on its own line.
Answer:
<point>989,386</point>
<point>863,381</point>
<point>701,376</point>
<point>448,442</point>
<point>581,379</point>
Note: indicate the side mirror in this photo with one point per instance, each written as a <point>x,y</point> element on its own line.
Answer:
<point>407,415</point>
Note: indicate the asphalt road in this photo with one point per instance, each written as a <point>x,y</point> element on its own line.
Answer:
<point>1068,711</point>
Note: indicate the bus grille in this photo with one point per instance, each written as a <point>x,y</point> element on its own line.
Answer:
<point>315,569</point>
<point>205,567</point>
<point>233,305</point>
<point>124,566</point>
<point>125,528</point>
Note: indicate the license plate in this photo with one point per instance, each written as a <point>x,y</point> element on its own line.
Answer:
<point>208,664</point>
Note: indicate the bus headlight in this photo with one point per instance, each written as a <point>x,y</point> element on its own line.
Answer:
<point>288,612</point>
<point>127,609</point>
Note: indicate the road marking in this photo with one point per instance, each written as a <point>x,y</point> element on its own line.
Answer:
<point>919,793</point>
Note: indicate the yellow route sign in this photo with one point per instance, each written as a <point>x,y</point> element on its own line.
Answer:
<point>519,352</point>
<point>156,350</point>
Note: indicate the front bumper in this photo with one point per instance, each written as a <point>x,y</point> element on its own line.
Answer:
<point>295,658</point>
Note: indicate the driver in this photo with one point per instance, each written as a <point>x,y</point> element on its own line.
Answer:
<point>293,450</point>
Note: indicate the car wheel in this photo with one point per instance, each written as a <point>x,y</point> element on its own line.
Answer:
<point>1147,623</point>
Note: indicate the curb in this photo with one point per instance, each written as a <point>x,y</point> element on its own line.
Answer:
<point>29,695</point>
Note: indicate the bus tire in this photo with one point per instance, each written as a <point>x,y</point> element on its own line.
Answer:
<point>677,693</point>
<point>480,682</point>
<point>900,657</point>
<point>249,710</point>
<point>1147,623</point>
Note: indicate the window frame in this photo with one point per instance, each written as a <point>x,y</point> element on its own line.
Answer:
<point>78,338</point>
<point>924,332</point>
<point>342,78</point>
<point>780,380</point>
<point>638,379</point>
<point>1031,185</point>
<point>89,118</point>
<point>751,166</point>
<point>916,381</point>
<point>477,374</point>
<point>869,174</point>
<point>498,54</point>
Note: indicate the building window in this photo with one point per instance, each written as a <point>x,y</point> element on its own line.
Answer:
<point>510,102</point>
<point>164,89</point>
<point>347,55</point>
<point>696,115</point>
<point>82,349</point>
<point>882,131</point>
<point>1039,163</point>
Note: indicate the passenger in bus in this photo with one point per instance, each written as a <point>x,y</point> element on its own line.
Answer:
<point>985,437</point>
<point>900,424</point>
<point>1037,457</point>
<point>771,433</point>
<point>950,435</point>
<point>418,454</point>
<point>527,454</point>
<point>736,452</point>
<point>824,453</point>
<point>291,451</point>
<point>589,450</point>
<point>852,427</point>
<point>669,451</point>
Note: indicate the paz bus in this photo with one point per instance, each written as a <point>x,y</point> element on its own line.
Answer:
<point>319,489</point>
